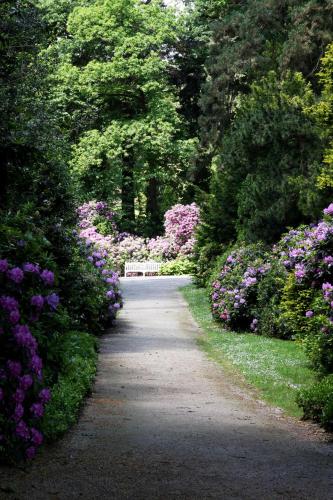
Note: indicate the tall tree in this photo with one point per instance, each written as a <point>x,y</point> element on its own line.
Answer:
<point>256,122</point>
<point>112,84</point>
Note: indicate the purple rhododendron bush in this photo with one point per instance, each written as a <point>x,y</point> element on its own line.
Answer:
<point>52,301</point>
<point>99,229</point>
<point>23,394</point>
<point>286,292</point>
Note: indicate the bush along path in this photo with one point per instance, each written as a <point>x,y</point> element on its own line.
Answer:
<point>285,292</point>
<point>165,422</point>
<point>48,318</point>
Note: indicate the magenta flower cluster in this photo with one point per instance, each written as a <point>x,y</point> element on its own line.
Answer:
<point>22,395</point>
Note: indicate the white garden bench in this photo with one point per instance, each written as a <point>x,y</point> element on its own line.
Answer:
<point>142,267</point>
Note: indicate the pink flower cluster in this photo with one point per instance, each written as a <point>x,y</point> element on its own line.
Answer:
<point>180,225</point>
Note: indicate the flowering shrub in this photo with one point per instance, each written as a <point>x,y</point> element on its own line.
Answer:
<point>180,224</point>
<point>25,298</point>
<point>234,292</point>
<point>35,325</point>
<point>307,301</point>
<point>99,248</point>
<point>100,260</point>
<point>287,293</point>
<point>103,234</point>
<point>128,248</point>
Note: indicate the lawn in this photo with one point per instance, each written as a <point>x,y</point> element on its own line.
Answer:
<point>276,368</point>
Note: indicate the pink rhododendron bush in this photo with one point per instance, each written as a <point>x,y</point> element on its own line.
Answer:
<point>99,229</point>
<point>285,292</point>
<point>180,223</point>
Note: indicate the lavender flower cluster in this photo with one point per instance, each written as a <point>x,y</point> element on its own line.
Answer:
<point>99,249</point>
<point>308,253</point>
<point>233,294</point>
<point>22,395</point>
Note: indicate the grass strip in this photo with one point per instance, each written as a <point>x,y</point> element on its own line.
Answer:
<point>276,368</point>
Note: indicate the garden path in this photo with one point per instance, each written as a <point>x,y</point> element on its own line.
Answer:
<point>164,422</point>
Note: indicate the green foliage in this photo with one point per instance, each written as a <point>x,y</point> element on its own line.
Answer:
<point>252,38</point>
<point>77,371</point>
<point>177,267</point>
<point>268,308</point>
<point>317,402</point>
<point>323,112</point>
<point>264,127</point>
<point>111,84</point>
<point>205,258</point>
<point>295,301</point>
<point>269,144</point>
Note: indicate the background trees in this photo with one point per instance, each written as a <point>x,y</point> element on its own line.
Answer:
<point>112,84</point>
<point>260,122</point>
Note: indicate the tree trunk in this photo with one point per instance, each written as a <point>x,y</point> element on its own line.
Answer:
<point>154,220</point>
<point>128,196</point>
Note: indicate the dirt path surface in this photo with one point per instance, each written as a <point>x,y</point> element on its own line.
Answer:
<point>164,423</point>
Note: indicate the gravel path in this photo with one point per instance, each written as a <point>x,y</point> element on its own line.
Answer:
<point>165,423</point>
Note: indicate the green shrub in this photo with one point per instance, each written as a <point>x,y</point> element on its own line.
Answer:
<point>86,296</point>
<point>79,357</point>
<point>317,402</point>
<point>315,332</point>
<point>177,267</point>
<point>268,301</point>
<point>206,257</point>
